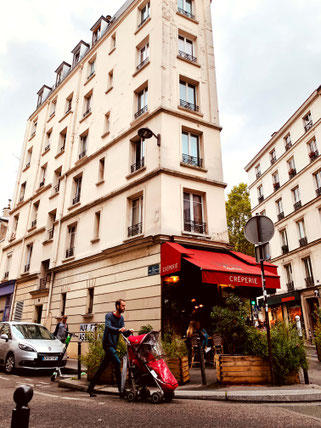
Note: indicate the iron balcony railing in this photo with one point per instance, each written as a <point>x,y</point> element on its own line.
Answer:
<point>82,154</point>
<point>27,267</point>
<point>303,241</point>
<point>297,205</point>
<point>288,146</point>
<point>76,199</point>
<point>318,191</point>
<point>145,61</point>
<point>187,56</point>
<point>70,252</point>
<point>192,160</point>
<point>135,229</point>
<point>57,187</point>
<point>186,13</point>
<point>308,125</point>
<point>87,112</point>
<point>47,148</point>
<point>292,172</point>
<point>68,110</point>
<point>34,223</point>
<point>62,148</point>
<point>189,106</point>
<point>50,233</point>
<point>273,160</point>
<point>309,282</point>
<point>280,215</point>
<point>258,174</point>
<point>137,165</point>
<point>290,286</point>
<point>260,199</point>
<point>42,183</point>
<point>285,249</point>
<point>195,226</point>
<point>313,155</point>
<point>27,165</point>
<point>276,186</point>
<point>91,74</point>
<point>140,112</point>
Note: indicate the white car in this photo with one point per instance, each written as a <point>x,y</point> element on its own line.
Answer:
<point>29,346</point>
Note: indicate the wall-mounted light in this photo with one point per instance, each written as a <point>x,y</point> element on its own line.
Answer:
<point>147,133</point>
<point>173,279</point>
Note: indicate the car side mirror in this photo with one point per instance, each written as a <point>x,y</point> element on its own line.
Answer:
<point>4,337</point>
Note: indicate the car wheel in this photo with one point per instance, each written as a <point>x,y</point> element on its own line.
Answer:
<point>9,364</point>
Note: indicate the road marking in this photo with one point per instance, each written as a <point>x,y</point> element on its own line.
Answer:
<point>29,384</point>
<point>44,383</point>
<point>63,398</point>
<point>28,379</point>
<point>4,378</point>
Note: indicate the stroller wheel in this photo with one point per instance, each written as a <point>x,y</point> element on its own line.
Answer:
<point>131,396</point>
<point>54,376</point>
<point>144,393</point>
<point>157,397</point>
<point>168,396</point>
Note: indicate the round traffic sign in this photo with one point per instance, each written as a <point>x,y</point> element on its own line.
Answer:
<point>259,229</point>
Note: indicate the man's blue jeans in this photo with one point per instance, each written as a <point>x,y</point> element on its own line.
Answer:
<point>110,357</point>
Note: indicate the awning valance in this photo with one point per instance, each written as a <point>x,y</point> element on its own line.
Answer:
<point>219,267</point>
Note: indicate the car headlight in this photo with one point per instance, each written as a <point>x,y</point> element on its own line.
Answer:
<point>27,348</point>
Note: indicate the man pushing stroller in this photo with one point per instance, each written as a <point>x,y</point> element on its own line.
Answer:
<point>114,325</point>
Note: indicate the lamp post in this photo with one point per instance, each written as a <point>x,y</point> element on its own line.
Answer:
<point>146,133</point>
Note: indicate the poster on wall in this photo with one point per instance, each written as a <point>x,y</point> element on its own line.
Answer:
<point>86,328</point>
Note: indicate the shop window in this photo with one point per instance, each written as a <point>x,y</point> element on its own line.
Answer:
<point>194,213</point>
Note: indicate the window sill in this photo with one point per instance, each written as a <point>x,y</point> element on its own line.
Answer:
<point>199,235</point>
<point>139,118</point>
<point>47,241</point>
<point>25,168</point>
<point>132,238</point>
<point>65,115</point>
<point>79,161</point>
<point>198,168</point>
<point>105,134</point>
<point>89,78</point>
<point>85,117</point>
<point>190,111</point>
<point>45,152</point>
<point>187,17</point>
<point>188,61</point>
<point>109,89</point>
<point>31,228</point>
<point>32,136</point>
<point>141,68</point>
<point>143,25</point>
<point>59,154</point>
<point>51,117</point>
<point>93,241</point>
<point>74,206</point>
<point>132,174</point>
<point>87,315</point>
<point>53,195</point>
<point>113,49</point>
<point>99,183</point>
<point>68,259</point>
<point>25,273</point>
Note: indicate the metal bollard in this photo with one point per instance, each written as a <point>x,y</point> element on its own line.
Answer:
<point>79,359</point>
<point>21,413</point>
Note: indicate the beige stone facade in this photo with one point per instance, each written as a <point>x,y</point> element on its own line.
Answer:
<point>93,201</point>
<point>285,184</point>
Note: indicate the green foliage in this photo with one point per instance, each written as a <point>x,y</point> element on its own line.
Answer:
<point>317,328</point>
<point>256,342</point>
<point>230,323</point>
<point>145,329</point>
<point>238,212</point>
<point>174,347</point>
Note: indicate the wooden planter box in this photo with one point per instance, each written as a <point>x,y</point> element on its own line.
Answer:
<point>180,369</point>
<point>246,369</point>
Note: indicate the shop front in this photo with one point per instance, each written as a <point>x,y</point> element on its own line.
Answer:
<point>6,292</point>
<point>196,279</point>
<point>285,307</point>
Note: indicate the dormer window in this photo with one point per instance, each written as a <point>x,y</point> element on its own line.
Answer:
<point>96,35</point>
<point>62,72</point>
<point>79,51</point>
<point>99,28</point>
<point>43,94</point>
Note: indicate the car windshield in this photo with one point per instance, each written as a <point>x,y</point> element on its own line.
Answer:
<point>31,331</point>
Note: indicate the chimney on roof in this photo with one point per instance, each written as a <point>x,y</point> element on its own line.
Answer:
<point>108,18</point>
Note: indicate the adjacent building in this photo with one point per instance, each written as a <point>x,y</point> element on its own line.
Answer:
<point>285,184</point>
<point>6,286</point>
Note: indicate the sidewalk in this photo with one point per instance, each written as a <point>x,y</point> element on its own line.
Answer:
<point>214,391</point>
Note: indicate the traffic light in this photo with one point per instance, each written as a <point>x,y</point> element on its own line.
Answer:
<point>253,302</point>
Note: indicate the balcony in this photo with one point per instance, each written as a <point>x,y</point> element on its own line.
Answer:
<point>260,199</point>
<point>285,249</point>
<point>258,174</point>
<point>139,66</point>
<point>46,148</point>
<point>318,191</point>
<point>27,165</point>
<point>137,165</point>
<point>87,112</point>
<point>6,275</point>
<point>290,286</point>
<point>141,111</point>
<point>82,154</point>
<point>186,13</point>
<point>187,56</point>
<point>192,160</point>
<point>281,215</point>
<point>297,205</point>
<point>43,284</point>
<point>273,160</point>
<point>195,227</point>
<point>303,241</point>
<point>276,186</point>
<point>313,155</point>
<point>70,252</point>
<point>76,199</point>
<point>57,187</point>
<point>50,233</point>
<point>34,223</point>
<point>189,106</point>
<point>288,146</point>
<point>309,282</point>
<point>27,268</point>
<point>42,183</point>
<point>308,125</point>
<point>136,229</point>
<point>62,148</point>
<point>292,173</point>
<point>21,198</point>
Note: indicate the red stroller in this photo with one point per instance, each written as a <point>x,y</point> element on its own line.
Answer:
<point>147,368</point>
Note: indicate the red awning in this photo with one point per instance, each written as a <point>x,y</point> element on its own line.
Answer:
<point>228,267</point>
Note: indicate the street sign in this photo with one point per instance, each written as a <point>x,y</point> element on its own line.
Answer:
<point>259,229</point>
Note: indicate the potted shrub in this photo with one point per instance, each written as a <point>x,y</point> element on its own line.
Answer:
<point>317,332</point>
<point>177,357</point>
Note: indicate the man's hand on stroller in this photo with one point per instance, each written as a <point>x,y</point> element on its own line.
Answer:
<point>122,330</point>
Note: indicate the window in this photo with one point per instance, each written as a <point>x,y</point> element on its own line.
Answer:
<point>107,123</point>
<point>296,198</point>
<point>22,191</point>
<point>289,277</point>
<point>77,189</point>
<point>317,180</point>
<point>307,122</point>
<point>276,180</point>
<point>187,93</point>
<point>258,171</point>
<point>51,221</point>
<point>191,149</point>
<point>110,82</point>
<point>144,14</point>
<point>143,56</point>
<point>301,232</point>
<point>287,142</point>
<point>186,48</point>
<point>113,42</point>
<point>48,140</point>
<point>63,303</point>
<point>101,170</point>
<point>28,257</point>
<point>185,8</point>
<point>62,140</point>
<point>71,241</point>
<point>28,157</point>
<point>57,176</point>
<point>90,299</point>
<point>193,213</point>
<point>142,102</point>
<point>136,216</point>
<point>138,155</point>
<point>279,209</point>
<point>291,167</point>
<point>34,128</point>
<point>43,171</point>
<point>8,266</point>
<point>34,215</point>
<point>260,195</point>
<point>53,106</point>
<point>272,156</point>
<point>14,226</point>
<point>308,272</point>
<point>68,104</point>
<point>97,225</point>
<point>91,68</point>
<point>87,104</point>
<point>83,146</point>
<point>284,241</point>
<point>313,150</point>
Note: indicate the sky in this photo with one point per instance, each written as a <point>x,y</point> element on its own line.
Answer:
<point>267,53</point>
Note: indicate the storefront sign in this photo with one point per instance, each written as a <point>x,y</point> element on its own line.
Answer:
<point>287,299</point>
<point>85,328</point>
<point>240,279</point>
<point>153,269</point>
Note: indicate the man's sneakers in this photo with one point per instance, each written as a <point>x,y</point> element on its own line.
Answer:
<point>90,391</point>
